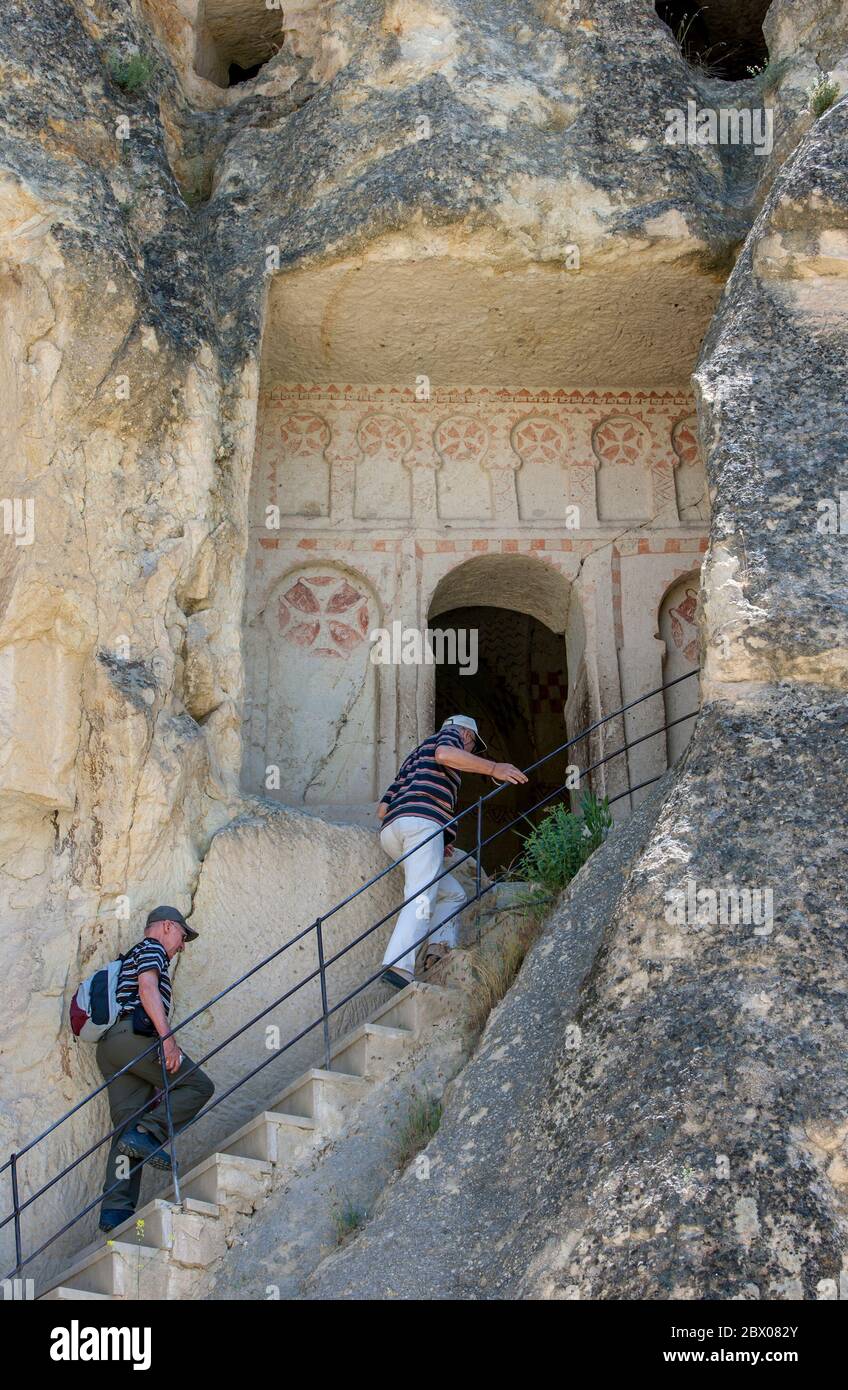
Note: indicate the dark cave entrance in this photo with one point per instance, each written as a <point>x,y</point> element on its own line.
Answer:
<point>237,75</point>
<point>234,41</point>
<point>724,37</point>
<point>517,695</point>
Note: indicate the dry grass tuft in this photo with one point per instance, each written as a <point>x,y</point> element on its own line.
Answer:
<point>421,1123</point>
<point>493,977</point>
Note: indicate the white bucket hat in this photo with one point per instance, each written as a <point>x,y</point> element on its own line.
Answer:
<point>466,722</point>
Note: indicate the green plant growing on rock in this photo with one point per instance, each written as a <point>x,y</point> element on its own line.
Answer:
<point>773,73</point>
<point>821,95</point>
<point>421,1123</point>
<point>347,1218</point>
<point>562,842</point>
<point>133,73</point>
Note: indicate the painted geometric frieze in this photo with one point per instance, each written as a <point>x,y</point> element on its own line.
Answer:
<point>324,613</point>
<point>548,693</point>
<point>365,453</point>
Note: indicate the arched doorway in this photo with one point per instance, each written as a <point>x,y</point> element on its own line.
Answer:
<point>514,610</point>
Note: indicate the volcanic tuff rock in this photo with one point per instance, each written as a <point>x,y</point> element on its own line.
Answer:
<point>691,1143</point>
<point>135,229</point>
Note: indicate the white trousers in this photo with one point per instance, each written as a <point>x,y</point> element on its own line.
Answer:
<point>431,902</point>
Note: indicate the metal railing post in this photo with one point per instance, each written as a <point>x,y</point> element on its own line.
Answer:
<point>172,1146</point>
<point>19,1254</point>
<point>325,1017</point>
<point>479,871</point>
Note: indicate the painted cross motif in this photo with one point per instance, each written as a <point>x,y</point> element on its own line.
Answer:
<point>620,440</point>
<point>304,436</point>
<point>310,614</point>
<point>462,440</point>
<point>539,441</point>
<point>386,436</point>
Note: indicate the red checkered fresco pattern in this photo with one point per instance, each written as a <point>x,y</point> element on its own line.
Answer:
<point>548,694</point>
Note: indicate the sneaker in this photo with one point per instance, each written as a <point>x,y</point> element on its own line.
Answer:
<point>110,1218</point>
<point>137,1143</point>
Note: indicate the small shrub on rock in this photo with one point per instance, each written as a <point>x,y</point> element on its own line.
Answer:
<point>562,842</point>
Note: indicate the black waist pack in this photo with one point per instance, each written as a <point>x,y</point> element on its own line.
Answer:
<point>141,1024</point>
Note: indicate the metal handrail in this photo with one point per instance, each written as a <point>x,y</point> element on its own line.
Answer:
<point>319,973</point>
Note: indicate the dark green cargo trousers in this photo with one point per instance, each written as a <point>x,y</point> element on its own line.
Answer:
<point>134,1090</point>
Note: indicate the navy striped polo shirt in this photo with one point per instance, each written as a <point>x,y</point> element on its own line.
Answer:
<point>424,787</point>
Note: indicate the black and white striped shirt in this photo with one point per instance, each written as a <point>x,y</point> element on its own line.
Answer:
<point>425,787</point>
<point>148,954</point>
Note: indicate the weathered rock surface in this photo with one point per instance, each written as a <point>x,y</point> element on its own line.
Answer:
<point>265,880</point>
<point>135,235</point>
<point>486,1160</point>
<point>693,1144</point>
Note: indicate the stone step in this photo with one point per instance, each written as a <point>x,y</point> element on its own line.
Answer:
<point>134,1261</point>
<point>64,1294</point>
<point>192,1234</point>
<point>417,1005</point>
<point>228,1181</point>
<point>324,1097</point>
<point>272,1137</point>
<point>121,1269</point>
<point>153,1224</point>
<point>371,1050</point>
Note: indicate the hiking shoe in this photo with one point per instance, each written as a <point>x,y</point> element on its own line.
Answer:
<point>109,1218</point>
<point>137,1143</point>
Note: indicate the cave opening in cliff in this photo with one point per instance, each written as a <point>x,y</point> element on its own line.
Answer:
<point>236,74</point>
<point>424,414</point>
<point>507,615</point>
<point>235,39</point>
<point>724,38</point>
<point>516,689</point>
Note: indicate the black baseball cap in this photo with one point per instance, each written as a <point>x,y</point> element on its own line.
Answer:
<point>171,914</point>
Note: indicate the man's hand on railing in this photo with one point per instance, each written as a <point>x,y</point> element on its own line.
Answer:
<point>505,772</point>
<point>173,1055</point>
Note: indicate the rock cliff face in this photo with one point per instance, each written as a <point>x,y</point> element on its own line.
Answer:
<point>157,228</point>
<point>687,1137</point>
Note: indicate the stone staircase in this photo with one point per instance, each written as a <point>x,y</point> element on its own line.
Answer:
<point>167,1250</point>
